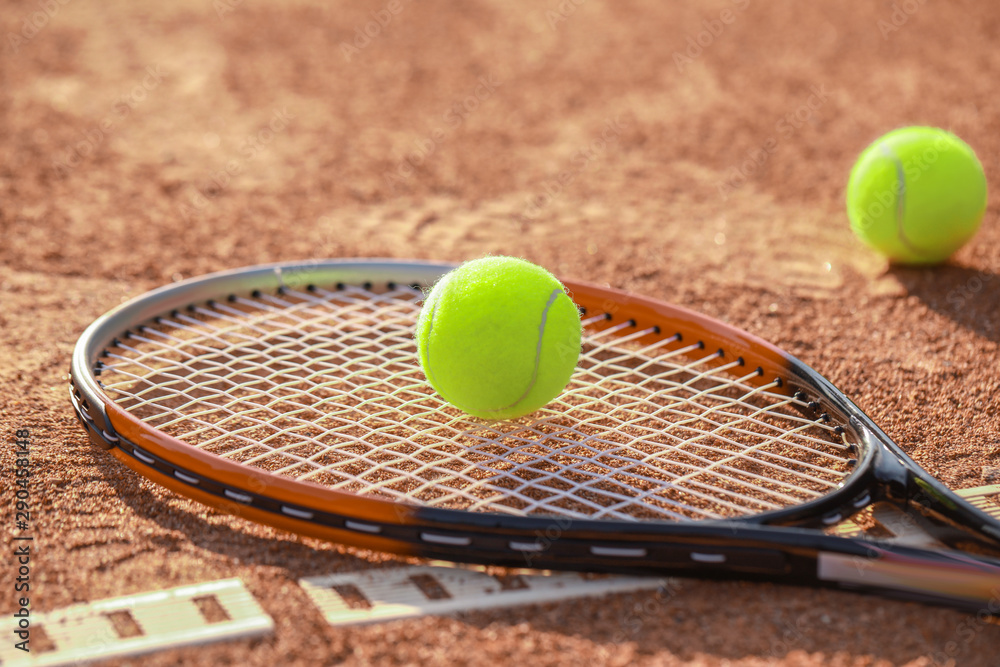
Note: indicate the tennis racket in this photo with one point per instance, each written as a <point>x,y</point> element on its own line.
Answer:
<point>291,394</point>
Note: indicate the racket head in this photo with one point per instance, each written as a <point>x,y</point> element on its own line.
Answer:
<point>614,321</point>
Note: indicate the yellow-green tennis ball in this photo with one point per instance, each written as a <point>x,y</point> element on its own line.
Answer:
<point>917,195</point>
<point>498,337</point>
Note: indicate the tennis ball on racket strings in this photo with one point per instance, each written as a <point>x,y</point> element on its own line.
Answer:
<point>498,337</point>
<point>917,195</point>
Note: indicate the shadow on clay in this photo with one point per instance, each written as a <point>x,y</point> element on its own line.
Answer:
<point>968,297</point>
<point>229,541</point>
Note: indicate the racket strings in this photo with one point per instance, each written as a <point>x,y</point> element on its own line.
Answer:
<point>325,386</point>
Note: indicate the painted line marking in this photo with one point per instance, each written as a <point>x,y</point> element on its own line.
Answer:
<point>390,594</point>
<point>138,624</point>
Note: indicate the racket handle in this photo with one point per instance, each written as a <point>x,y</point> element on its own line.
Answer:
<point>944,577</point>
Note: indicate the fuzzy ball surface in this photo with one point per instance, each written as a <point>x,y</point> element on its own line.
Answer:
<point>498,337</point>
<point>917,195</point>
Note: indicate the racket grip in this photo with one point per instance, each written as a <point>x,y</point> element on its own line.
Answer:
<point>942,577</point>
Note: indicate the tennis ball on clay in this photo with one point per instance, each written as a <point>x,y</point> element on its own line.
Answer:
<point>917,195</point>
<point>498,337</point>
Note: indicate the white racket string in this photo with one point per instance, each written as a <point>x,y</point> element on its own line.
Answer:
<point>325,386</point>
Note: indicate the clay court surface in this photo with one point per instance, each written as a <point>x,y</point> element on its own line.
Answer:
<point>693,152</point>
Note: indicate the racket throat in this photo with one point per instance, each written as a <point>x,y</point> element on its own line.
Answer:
<point>926,503</point>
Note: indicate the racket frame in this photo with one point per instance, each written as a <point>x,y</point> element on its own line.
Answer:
<point>773,545</point>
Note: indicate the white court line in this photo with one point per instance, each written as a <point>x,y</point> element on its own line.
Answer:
<point>161,620</point>
<point>408,592</point>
